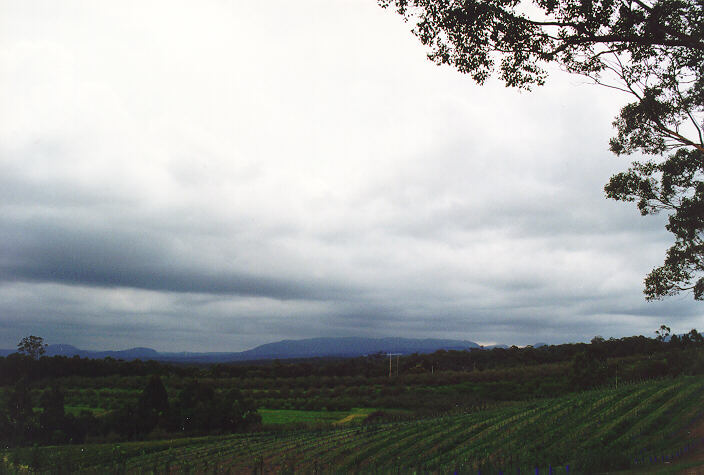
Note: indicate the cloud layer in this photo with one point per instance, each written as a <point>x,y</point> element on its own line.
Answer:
<point>218,176</point>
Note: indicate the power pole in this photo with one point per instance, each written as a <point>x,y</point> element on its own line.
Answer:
<point>396,355</point>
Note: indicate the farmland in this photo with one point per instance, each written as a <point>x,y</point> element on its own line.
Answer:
<point>606,405</point>
<point>634,424</point>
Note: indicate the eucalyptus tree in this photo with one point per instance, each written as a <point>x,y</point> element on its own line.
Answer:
<point>652,50</point>
<point>32,346</point>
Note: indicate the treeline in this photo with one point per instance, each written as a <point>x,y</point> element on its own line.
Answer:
<point>197,410</point>
<point>377,365</point>
<point>21,425</point>
<point>17,366</point>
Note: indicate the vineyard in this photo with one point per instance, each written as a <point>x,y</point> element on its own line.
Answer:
<point>621,427</point>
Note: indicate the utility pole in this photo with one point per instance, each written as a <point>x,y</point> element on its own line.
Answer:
<point>396,355</point>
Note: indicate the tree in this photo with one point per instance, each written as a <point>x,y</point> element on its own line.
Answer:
<point>52,419</point>
<point>153,405</point>
<point>32,346</point>
<point>662,333</point>
<point>589,369</point>
<point>653,50</point>
<point>154,397</point>
<point>695,337</point>
<point>199,409</point>
<point>21,420</point>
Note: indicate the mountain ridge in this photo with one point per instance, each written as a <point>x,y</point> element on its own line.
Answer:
<point>283,349</point>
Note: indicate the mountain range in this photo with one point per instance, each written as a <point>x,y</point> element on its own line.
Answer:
<point>285,349</point>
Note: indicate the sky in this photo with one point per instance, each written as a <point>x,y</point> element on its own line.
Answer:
<point>211,176</point>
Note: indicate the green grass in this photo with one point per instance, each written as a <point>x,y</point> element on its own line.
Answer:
<point>76,410</point>
<point>292,416</point>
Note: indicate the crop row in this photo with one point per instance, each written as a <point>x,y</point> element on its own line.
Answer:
<point>618,425</point>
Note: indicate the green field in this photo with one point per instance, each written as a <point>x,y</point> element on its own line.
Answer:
<point>292,416</point>
<point>75,410</point>
<point>591,431</point>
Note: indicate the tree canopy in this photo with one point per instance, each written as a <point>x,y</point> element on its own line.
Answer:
<point>32,346</point>
<point>651,50</point>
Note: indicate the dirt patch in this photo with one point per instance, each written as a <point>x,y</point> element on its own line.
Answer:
<point>349,418</point>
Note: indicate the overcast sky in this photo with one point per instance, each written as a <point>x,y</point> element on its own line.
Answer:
<point>210,176</point>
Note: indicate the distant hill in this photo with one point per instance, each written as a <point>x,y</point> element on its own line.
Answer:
<point>285,349</point>
<point>70,350</point>
<point>352,346</point>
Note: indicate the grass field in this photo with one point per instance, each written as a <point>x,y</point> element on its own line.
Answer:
<point>75,410</point>
<point>637,426</point>
<point>289,416</point>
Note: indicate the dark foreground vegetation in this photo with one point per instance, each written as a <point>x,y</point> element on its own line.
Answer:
<point>644,390</point>
<point>636,425</point>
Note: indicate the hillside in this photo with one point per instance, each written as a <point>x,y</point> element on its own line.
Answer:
<point>352,346</point>
<point>285,349</point>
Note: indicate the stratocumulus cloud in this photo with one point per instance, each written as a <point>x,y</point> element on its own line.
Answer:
<point>218,176</point>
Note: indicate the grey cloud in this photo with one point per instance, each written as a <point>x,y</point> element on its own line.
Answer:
<point>50,252</point>
<point>231,203</point>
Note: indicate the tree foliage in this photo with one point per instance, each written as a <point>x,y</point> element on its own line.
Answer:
<point>32,346</point>
<point>663,333</point>
<point>652,50</point>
